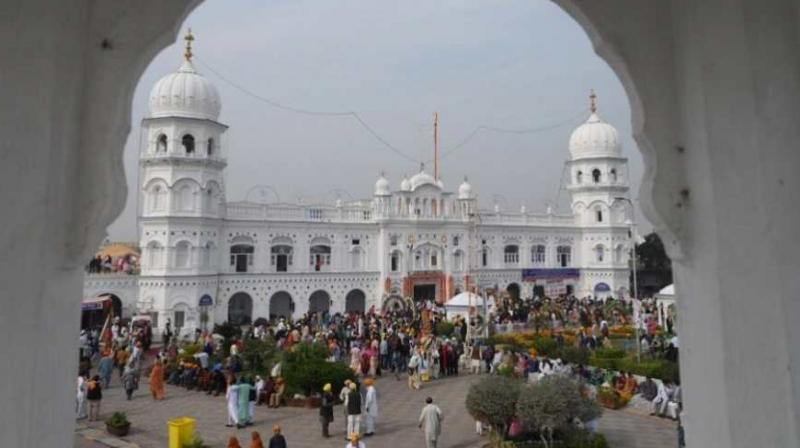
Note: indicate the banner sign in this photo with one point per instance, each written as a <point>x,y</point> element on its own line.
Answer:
<point>532,275</point>
<point>206,300</point>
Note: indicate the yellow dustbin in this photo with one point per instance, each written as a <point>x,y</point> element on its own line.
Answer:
<point>181,431</point>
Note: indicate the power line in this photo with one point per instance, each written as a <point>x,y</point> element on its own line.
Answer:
<point>302,111</point>
<point>373,132</point>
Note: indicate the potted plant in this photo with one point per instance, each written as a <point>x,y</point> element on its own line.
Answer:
<point>118,425</point>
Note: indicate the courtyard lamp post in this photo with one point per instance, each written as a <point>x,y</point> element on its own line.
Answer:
<point>631,223</point>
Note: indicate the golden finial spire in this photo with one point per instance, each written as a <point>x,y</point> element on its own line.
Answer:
<point>592,101</point>
<point>188,38</point>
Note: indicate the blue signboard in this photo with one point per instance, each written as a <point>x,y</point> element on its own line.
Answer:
<point>532,275</point>
<point>206,300</point>
<point>602,287</point>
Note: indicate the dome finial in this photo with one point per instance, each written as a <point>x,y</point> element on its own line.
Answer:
<point>592,101</point>
<point>188,38</point>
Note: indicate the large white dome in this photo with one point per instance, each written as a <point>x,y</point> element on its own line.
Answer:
<point>594,138</point>
<point>423,178</point>
<point>185,93</point>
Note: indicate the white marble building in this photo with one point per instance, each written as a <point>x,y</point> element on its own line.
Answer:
<point>205,259</point>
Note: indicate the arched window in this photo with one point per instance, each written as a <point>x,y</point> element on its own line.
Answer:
<point>154,254</point>
<point>157,198</point>
<point>357,259</point>
<point>564,255</point>
<point>511,254</point>
<point>596,175</point>
<point>281,257</point>
<point>161,144</point>
<point>458,261</point>
<point>618,254</point>
<point>395,261</point>
<point>538,254</point>
<point>320,257</point>
<point>207,250</point>
<point>242,257</point>
<point>485,256</point>
<point>182,254</point>
<point>579,177</point>
<point>600,253</point>
<point>188,143</point>
<point>613,173</point>
<point>185,198</point>
<point>598,213</point>
<point>210,147</point>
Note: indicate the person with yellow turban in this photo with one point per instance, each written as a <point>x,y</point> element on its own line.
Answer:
<point>370,406</point>
<point>326,409</point>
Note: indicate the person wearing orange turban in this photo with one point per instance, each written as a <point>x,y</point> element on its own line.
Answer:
<point>255,440</point>
<point>233,442</point>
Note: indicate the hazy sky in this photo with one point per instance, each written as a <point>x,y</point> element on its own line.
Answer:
<point>511,64</point>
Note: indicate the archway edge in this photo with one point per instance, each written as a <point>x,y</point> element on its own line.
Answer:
<point>646,70</point>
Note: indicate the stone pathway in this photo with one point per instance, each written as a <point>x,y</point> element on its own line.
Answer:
<point>397,426</point>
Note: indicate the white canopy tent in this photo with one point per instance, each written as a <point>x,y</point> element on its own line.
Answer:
<point>459,304</point>
<point>666,300</point>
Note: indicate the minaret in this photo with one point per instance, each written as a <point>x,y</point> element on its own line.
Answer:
<point>182,163</point>
<point>598,171</point>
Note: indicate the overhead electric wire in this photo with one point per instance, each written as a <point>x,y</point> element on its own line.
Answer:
<point>372,131</point>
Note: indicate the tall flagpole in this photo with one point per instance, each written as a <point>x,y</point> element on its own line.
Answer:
<point>436,146</point>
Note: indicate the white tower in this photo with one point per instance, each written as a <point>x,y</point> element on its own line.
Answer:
<point>598,176</point>
<point>182,192</point>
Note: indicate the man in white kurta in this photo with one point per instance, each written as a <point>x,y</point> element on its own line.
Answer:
<point>430,420</point>
<point>232,398</point>
<point>371,406</point>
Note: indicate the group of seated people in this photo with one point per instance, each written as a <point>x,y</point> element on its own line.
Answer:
<point>193,376</point>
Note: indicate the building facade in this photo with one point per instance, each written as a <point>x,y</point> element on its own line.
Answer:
<point>207,260</point>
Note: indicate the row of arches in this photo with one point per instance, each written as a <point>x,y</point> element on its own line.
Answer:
<point>601,254</point>
<point>184,195</point>
<point>282,255</point>
<point>188,145</point>
<point>183,255</point>
<point>281,304</point>
<point>538,254</point>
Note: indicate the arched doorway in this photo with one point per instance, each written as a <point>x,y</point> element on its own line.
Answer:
<point>319,301</point>
<point>240,309</point>
<point>280,305</point>
<point>355,301</point>
<point>513,291</point>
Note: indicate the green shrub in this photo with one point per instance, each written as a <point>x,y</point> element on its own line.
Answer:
<point>197,442</point>
<point>258,355</point>
<point>574,355</point>
<point>609,353</point>
<point>444,328</point>
<point>117,420</point>
<point>545,346</point>
<point>549,407</point>
<point>604,363</point>
<point>493,400</point>
<point>306,369</point>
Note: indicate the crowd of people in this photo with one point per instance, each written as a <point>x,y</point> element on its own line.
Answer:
<point>127,264</point>
<point>416,342</point>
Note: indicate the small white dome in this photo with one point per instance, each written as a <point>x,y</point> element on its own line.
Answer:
<point>465,190</point>
<point>420,179</point>
<point>185,93</point>
<point>405,185</point>
<point>382,187</point>
<point>594,138</point>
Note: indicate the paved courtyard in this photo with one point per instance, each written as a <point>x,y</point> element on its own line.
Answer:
<point>397,427</point>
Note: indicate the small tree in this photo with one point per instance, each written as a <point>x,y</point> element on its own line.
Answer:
<point>258,355</point>
<point>493,400</point>
<point>551,405</point>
